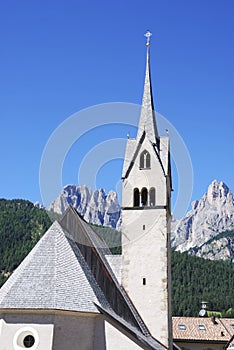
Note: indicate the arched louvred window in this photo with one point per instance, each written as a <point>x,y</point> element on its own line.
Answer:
<point>144,197</point>
<point>136,197</point>
<point>145,160</point>
<point>152,197</point>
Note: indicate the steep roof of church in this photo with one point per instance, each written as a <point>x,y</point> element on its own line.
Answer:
<point>54,275</point>
<point>68,270</point>
<point>147,120</point>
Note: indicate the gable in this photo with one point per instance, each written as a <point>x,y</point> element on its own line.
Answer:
<point>133,150</point>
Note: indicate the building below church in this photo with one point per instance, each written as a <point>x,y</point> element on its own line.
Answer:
<point>203,333</point>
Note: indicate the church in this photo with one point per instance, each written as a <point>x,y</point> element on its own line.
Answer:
<point>70,292</point>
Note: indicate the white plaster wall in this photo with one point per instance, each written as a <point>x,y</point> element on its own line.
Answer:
<point>115,340</point>
<point>164,152</point>
<point>10,329</point>
<point>83,332</point>
<point>65,331</point>
<point>145,256</point>
<point>145,237</point>
<point>1,324</point>
<point>58,331</point>
<point>115,262</point>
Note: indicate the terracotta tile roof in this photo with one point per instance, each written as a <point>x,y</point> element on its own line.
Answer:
<point>202,329</point>
<point>228,324</point>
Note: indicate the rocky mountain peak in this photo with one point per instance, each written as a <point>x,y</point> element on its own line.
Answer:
<point>201,232</point>
<point>211,215</point>
<point>218,192</point>
<point>95,206</point>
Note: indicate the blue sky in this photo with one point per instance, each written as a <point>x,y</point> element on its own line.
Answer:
<point>59,57</point>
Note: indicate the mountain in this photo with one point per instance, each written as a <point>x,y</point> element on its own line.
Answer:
<point>96,207</point>
<point>208,229</point>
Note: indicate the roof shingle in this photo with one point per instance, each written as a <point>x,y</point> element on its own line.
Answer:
<point>202,329</point>
<point>54,275</point>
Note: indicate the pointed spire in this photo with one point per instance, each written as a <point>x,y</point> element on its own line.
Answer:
<point>147,121</point>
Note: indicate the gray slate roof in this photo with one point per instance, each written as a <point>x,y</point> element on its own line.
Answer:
<point>53,276</point>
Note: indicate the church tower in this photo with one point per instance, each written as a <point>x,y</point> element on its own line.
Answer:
<point>146,216</point>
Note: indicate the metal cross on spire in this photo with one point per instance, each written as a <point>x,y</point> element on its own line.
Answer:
<point>148,35</point>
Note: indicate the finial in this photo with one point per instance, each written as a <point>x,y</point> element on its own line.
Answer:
<point>148,35</point>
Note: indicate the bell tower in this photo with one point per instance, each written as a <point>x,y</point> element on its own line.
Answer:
<point>146,215</point>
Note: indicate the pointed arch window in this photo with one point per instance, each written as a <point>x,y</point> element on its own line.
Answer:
<point>136,197</point>
<point>145,160</point>
<point>144,197</point>
<point>152,197</point>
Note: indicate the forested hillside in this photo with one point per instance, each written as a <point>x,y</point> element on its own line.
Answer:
<point>21,226</point>
<point>193,279</point>
<point>111,236</point>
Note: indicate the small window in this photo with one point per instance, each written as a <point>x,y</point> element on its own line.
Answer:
<point>201,327</point>
<point>143,227</point>
<point>145,160</point>
<point>232,325</point>
<point>182,327</point>
<point>26,338</point>
<point>136,195</point>
<point>152,196</point>
<point>144,281</point>
<point>144,197</point>
<point>28,341</point>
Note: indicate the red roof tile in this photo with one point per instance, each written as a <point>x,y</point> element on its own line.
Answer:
<point>202,329</point>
